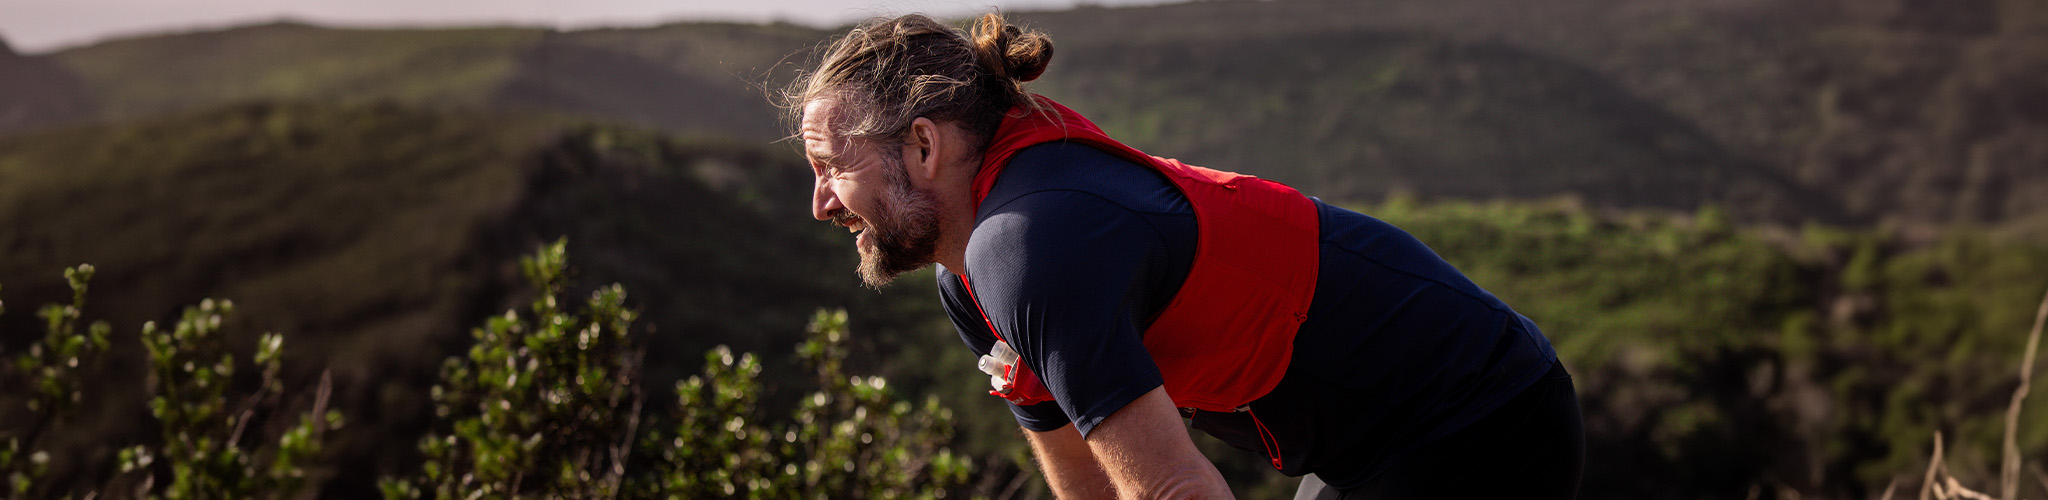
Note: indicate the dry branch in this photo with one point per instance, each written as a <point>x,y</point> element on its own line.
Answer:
<point>1933,469</point>
<point>2009,471</point>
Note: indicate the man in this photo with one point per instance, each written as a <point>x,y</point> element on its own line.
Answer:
<point>1114,295</point>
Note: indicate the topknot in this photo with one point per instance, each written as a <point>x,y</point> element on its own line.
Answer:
<point>1007,51</point>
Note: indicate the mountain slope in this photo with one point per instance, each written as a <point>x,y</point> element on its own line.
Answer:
<point>39,92</point>
<point>145,76</point>
<point>671,77</point>
<point>1355,115</point>
<point>1896,110</point>
<point>1785,110</point>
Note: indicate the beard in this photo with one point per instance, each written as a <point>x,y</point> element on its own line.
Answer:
<point>904,231</point>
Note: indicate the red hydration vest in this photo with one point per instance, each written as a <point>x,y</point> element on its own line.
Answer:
<point>1226,337</point>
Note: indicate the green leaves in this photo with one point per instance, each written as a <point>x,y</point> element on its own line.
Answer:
<point>549,404</point>
<point>204,444</point>
<point>204,427</point>
<point>541,405</point>
<point>51,366</point>
<point>52,371</point>
<point>848,439</point>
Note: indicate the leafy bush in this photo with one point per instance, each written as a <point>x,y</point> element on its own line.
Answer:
<point>206,447</point>
<point>546,404</point>
<point>549,405</point>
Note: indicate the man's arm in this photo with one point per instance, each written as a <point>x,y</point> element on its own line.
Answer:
<point>1069,467</point>
<point>1142,450</point>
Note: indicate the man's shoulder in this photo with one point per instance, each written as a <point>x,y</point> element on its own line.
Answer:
<point>1074,168</point>
<point>1064,196</point>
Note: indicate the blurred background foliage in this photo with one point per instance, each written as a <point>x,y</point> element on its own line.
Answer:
<point>1779,243</point>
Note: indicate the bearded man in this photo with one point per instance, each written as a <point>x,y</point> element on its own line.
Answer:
<point>1114,296</point>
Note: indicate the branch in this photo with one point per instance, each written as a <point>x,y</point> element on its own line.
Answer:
<point>2009,472</point>
<point>320,401</point>
<point>1927,485</point>
<point>624,449</point>
<point>1956,489</point>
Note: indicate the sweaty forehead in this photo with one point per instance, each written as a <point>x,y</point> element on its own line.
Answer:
<point>818,118</point>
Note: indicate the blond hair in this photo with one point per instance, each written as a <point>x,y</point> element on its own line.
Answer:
<point>888,72</point>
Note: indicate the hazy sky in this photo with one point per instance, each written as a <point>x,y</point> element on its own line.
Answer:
<point>43,25</point>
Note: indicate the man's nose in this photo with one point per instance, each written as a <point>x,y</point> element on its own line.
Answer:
<point>823,201</point>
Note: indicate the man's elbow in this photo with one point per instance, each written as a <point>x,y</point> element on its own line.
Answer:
<point>1184,483</point>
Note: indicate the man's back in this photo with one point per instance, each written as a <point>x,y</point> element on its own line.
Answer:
<point>1076,250</point>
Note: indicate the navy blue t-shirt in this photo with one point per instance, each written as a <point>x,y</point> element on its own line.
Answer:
<point>1074,252</point>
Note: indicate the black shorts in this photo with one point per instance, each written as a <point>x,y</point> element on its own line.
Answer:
<point>1534,447</point>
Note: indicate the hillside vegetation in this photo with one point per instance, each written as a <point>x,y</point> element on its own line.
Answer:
<point>1713,358</point>
<point>1778,243</point>
<point>372,233</point>
<point>1897,111</point>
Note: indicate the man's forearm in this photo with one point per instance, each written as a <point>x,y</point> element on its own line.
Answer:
<point>1069,466</point>
<point>1140,452</point>
<point>1145,450</point>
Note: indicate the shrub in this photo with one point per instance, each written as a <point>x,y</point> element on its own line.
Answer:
<point>549,404</point>
<point>205,447</point>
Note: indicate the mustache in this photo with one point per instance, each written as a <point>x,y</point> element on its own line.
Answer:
<point>843,217</point>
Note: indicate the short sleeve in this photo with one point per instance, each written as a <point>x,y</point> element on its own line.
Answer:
<point>1066,278</point>
<point>1042,417</point>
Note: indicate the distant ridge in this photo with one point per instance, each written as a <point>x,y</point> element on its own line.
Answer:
<point>38,92</point>
<point>1789,111</point>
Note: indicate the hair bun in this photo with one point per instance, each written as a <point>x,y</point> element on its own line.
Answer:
<point>1007,51</point>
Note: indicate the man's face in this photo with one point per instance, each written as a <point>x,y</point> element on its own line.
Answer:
<point>863,186</point>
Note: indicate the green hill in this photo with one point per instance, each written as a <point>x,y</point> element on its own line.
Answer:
<point>145,76</point>
<point>1780,110</point>
<point>674,77</point>
<point>1894,110</point>
<point>1365,114</point>
<point>1359,114</point>
<point>1789,111</point>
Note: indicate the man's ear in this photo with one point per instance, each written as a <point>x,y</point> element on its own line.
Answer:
<point>921,150</point>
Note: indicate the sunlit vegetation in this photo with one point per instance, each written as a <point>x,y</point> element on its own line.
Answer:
<point>550,403</point>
